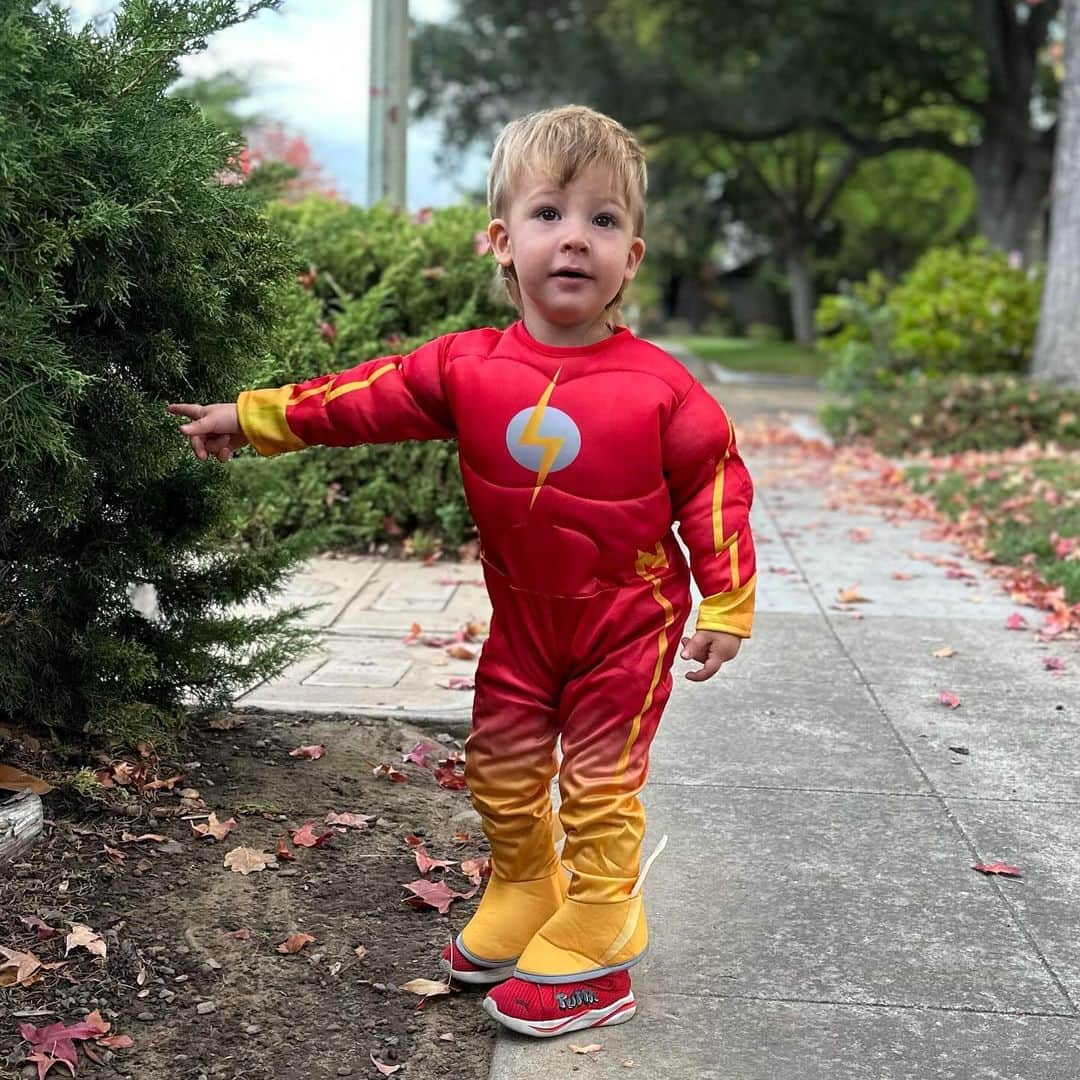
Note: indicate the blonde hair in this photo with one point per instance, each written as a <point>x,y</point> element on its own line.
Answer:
<point>560,144</point>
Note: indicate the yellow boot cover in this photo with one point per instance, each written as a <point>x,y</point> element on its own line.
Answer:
<point>509,914</point>
<point>585,941</point>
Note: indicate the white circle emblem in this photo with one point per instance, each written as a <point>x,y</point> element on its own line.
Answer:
<point>555,430</point>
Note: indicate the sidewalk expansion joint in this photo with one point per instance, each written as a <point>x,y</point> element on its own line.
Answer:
<point>941,798</point>
<point>908,1006</point>
<point>934,795</point>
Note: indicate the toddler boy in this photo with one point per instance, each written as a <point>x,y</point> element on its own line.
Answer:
<point>580,445</point>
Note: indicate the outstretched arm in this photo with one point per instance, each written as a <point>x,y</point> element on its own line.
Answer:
<point>389,399</point>
<point>711,493</point>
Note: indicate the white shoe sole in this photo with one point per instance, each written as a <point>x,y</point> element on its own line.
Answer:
<point>484,977</point>
<point>617,1013</point>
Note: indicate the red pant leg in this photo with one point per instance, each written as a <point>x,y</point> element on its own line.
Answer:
<point>609,709</point>
<point>509,765</point>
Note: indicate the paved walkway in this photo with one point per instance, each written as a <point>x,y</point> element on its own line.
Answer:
<point>815,915</point>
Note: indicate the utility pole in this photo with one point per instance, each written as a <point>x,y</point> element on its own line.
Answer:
<point>388,109</point>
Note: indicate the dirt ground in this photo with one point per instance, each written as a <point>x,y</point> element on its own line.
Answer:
<point>201,1003</point>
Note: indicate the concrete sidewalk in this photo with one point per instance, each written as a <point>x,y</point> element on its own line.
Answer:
<point>815,914</point>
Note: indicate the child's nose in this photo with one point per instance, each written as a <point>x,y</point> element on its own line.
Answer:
<point>575,239</point>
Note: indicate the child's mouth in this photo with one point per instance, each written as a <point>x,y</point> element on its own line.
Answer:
<point>579,274</point>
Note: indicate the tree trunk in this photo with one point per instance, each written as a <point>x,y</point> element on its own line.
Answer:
<point>802,294</point>
<point>1057,345</point>
<point>1012,176</point>
<point>21,820</point>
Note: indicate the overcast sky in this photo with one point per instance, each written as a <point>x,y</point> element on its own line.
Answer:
<point>309,65</point>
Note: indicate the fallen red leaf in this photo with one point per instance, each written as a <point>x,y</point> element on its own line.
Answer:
<point>476,869</point>
<point>459,682</point>
<point>418,754</point>
<point>44,931</point>
<point>386,1070</point>
<point>1016,621</point>
<point>434,894</point>
<point>425,863</point>
<point>996,868</point>
<point>284,851</point>
<point>947,697</point>
<point>305,836</point>
<point>1053,663</point>
<point>388,770</point>
<point>314,752</point>
<point>448,776</point>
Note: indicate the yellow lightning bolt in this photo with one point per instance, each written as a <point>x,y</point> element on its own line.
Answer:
<point>531,436</point>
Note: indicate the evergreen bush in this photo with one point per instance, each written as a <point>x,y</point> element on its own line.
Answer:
<point>131,274</point>
<point>384,282</point>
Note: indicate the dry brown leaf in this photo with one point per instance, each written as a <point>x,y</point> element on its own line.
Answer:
<point>460,652</point>
<point>426,988</point>
<point>945,652</point>
<point>592,1048</point>
<point>131,838</point>
<point>361,952</point>
<point>243,934</point>
<point>352,821</point>
<point>852,595</point>
<point>214,828</point>
<point>294,943</point>
<point>446,1036</point>
<point>245,860</point>
<point>386,1070</point>
<point>226,723</point>
<point>12,779</point>
<point>17,968</point>
<point>82,936</point>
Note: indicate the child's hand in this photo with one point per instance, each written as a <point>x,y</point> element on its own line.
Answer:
<point>214,429</point>
<point>711,648</point>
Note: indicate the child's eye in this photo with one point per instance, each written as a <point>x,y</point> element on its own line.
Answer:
<point>547,213</point>
<point>604,221</point>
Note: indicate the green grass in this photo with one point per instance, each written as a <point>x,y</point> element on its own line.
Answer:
<point>1020,530</point>
<point>770,357</point>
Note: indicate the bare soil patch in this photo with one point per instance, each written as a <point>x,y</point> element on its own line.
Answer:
<point>201,1003</point>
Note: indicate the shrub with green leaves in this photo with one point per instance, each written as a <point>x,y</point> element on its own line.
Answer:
<point>131,275</point>
<point>959,309</point>
<point>957,413</point>
<point>385,283</point>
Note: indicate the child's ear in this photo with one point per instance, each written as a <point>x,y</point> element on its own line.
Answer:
<point>634,257</point>
<point>499,239</point>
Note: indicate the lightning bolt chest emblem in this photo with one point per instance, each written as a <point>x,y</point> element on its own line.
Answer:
<point>542,438</point>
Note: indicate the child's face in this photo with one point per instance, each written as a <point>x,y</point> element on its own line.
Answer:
<point>572,249</point>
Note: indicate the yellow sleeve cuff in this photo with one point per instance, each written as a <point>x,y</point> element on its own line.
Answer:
<point>730,612</point>
<point>262,419</point>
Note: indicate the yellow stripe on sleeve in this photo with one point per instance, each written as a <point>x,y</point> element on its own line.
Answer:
<point>262,419</point>
<point>730,612</point>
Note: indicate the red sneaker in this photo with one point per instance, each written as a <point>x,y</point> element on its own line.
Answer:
<point>543,1010</point>
<point>466,969</point>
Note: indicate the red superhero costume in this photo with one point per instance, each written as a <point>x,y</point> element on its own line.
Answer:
<point>576,462</point>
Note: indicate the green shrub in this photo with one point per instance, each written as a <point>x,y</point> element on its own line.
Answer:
<point>959,309</point>
<point>381,282</point>
<point>966,309</point>
<point>957,413</point>
<point>857,331</point>
<point>130,275</point>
